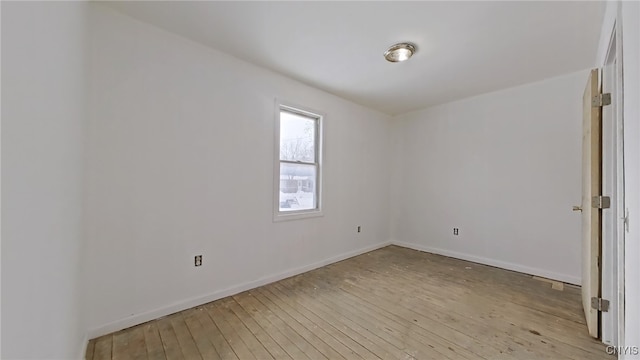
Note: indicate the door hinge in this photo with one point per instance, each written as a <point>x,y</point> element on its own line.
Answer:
<point>601,202</point>
<point>601,100</point>
<point>600,304</point>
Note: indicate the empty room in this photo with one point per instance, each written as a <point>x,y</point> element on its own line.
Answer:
<point>320,180</point>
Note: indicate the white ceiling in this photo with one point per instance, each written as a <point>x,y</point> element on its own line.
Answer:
<point>464,48</point>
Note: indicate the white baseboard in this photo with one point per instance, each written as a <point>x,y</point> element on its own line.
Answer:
<point>189,303</point>
<point>497,263</point>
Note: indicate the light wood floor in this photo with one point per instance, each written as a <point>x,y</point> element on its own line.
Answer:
<point>392,303</point>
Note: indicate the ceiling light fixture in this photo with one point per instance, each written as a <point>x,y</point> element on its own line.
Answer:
<point>400,52</point>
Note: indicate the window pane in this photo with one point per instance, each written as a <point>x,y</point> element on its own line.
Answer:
<point>297,187</point>
<point>297,137</point>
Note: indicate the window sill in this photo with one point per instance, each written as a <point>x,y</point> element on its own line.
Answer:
<point>284,216</point>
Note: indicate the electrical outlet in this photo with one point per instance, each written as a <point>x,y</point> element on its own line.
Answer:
<point>359,228</point>
<point>198,260</point>
<point>455,231</point>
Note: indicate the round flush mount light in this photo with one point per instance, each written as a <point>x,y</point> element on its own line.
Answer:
<point>400,52</point>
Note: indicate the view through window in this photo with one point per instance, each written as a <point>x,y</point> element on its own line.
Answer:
<point>299,165</point>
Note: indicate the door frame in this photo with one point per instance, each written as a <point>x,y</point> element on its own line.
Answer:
<point>613,224</point>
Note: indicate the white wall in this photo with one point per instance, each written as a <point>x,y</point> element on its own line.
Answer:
<point>180,163</point>
<point>42,140</point>
<point>502,167</point>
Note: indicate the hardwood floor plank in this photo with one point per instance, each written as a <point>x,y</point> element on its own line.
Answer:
<point>377,333</point>
<point>170,342</point>
<point>205,347</point>
<point>120,342</point>
<point>121,345</point>
<point>153,342</point>
<point>287,329</point>
<point>137,349</point>
<point>276,351</point>
<point>235,341</point>
<point>314,337</point>
<point>103,347</point>
<point>352,329</point>
<point>215,336</point>
<point>185,339</point>
<point>263,318</point>
<point>243,332</point>
<point>335,332</point>
<point>309,326</point>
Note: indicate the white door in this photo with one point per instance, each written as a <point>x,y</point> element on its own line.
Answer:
<point>591,187</point>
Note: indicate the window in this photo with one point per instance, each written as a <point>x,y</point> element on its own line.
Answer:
<point>298,163</point>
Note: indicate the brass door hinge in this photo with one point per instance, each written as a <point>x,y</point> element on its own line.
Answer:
<point>600,304</point>
<point>601,202</point>
<point>601,100</point>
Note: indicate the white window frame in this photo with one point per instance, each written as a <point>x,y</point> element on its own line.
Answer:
<point>319,149</point>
